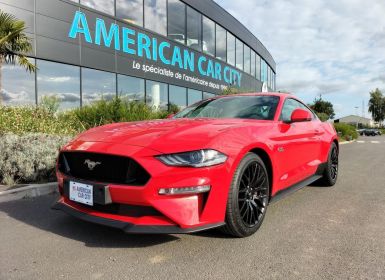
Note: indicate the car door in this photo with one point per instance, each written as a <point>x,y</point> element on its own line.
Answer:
<point>298,146</point>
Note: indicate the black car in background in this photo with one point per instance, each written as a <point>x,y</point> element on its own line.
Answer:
<point>370,132</point>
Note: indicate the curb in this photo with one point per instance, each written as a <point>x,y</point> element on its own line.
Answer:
<point>30,191</point>
<point>346,142</point>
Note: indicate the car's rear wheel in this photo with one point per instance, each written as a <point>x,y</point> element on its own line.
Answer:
<point>248,197</point>
<point>330,174</point>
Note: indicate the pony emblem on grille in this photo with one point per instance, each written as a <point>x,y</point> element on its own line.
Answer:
<point>91,164</point>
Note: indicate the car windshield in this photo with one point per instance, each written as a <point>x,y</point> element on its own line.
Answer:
<point>261,107</point>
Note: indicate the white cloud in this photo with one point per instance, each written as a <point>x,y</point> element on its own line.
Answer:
<point>334,48</point>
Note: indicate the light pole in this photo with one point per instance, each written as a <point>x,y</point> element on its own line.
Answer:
<point>357,116</point>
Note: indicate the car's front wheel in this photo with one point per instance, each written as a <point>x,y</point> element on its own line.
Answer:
<point>248,197</point>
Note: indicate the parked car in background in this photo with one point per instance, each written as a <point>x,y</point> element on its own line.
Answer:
<point>370,132</point>
<point>361,132</point>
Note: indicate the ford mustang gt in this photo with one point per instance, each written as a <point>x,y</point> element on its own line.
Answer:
<point>217,163</point>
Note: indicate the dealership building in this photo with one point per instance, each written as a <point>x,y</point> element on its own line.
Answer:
<point>158,51</point>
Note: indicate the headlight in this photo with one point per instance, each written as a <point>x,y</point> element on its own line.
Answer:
<point>200,158</point>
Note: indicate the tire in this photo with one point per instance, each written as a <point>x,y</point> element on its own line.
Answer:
<point>248,197</point>
<point>330,174</point>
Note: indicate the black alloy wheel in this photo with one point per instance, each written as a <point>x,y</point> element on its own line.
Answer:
<point>334,163</point>
<point>253,194</point>
<point>248,197</point>
<point>330,175</point>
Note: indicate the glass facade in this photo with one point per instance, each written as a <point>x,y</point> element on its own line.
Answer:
<point>61,80</point>
<point>184,24</point>
<point>155,15</point>
<point>258,67</point>
<point>194,29</point>
<point>263,71</point>
<point>239,54</point>
<point>193,96</point>
<point>105,6</point>
<point>176,27</point>
<point>252,61</point>
<point>157,95</point>
<point>207,95</point>
<point>220,46</point>
<point>97,85</point>
<point>130,88</point>
<point>131,11</point>
<point>79,86</point>
<point>230,49</point>
<point>246,59</point>
<point>17,86</point>
<point>178,96</point>
<point>208,36</point>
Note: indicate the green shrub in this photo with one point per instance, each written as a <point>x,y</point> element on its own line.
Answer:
<point>29,158</point>
<point>346,131</point>
<point>110,111</point>
<point>20,120</point>
<point>322,116</point>
<point>50,102</point>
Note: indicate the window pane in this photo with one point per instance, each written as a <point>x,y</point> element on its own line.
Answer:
<point>176,21</point>
<point>97,85</point>
<point>258,67</point>
<point>105,6</point>
<point>193,96</point>
<point>230,49</point>
<point>60,80</point>
<point>246,59</point>
<point>177,96</point>
<point>269,76</point>
<point>263,71</point>
<point>155,15</point>
<point>130,11</point>
<point>220,43</point>
<point>194,29</point>
<point>17,85</point>
<point>252,61</point>
<point>207,95</point>
<point>239,51</point>
<point>130,88</point>
<point>208,36</point>
<point>156,95</point>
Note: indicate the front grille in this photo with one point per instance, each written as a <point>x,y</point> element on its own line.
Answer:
<point>102,168</point>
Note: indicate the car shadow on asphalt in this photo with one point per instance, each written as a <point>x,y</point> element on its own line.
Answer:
<point>37,212</point>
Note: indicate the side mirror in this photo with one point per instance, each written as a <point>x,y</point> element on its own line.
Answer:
<point>300,115</point>
<point>170,116</point>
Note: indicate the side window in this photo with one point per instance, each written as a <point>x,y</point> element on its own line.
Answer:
<point>289,106</point>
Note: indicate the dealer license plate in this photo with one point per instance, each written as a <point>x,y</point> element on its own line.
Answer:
<point>81,193</point>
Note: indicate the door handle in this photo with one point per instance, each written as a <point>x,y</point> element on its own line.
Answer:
<point>318,132</point>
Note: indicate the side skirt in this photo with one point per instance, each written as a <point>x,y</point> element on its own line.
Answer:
<point>283,193</point>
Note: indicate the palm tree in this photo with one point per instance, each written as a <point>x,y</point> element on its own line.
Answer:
<point>14,43</point>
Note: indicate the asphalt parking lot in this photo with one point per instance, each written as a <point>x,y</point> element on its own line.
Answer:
<point>316,233</point>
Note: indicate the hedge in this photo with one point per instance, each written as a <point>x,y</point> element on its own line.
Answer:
<point>29,158</point>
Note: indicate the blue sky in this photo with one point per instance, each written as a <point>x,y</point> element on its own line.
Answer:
<point>333,48</point>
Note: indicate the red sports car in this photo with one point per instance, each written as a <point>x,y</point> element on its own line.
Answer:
<point>217,163</point>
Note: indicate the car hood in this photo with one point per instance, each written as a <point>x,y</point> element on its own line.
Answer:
<point>169,135</point>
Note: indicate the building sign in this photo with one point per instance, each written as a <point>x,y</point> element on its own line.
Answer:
<point>151,55</point>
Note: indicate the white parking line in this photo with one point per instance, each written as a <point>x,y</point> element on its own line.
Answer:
<point>375,142</point>
<point>360,141</point>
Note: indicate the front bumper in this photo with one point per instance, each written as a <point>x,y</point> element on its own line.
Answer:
<point>174,213</point>
<point>126,226</point>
